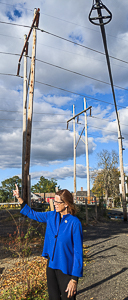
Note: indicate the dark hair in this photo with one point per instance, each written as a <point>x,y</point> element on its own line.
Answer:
<point>67,197</point>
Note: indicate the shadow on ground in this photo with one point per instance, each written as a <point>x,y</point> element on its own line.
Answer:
<point>104,230</point>
<point>101,282</point>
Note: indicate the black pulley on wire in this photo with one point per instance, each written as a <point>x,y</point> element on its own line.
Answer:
<point>104,19</point>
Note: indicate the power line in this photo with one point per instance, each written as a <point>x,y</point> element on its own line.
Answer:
<point>62,89</point>
<point>34,128</point>
<point>14,24</point>
<point>83,75</point>
<point>106,120</point>
<point>105,129</point>
<point>59,50</point>
<point>57,36</point>
<point>94,117</point>
<point>78,54</point>
<point>34,121</point>
<point>101,128</point>
<point>67,21</point>
<point>82,95</point>
<point>9,53</point>
<point>65,69</point>
<point>39,113</point>
<point>14,5</point>
<point>59,122</point>
<point>59,129</point>
<point>78,44</point>
<point>12,75</point>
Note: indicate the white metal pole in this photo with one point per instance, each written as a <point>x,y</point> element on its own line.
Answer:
<point>74,152</point>
<point>87,156</point>
<point>122,172</point>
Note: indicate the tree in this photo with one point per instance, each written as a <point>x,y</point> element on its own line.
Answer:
<point>6,190</point>
<point>3,195</point>
<point>44,185</point>
<point>106,181</point>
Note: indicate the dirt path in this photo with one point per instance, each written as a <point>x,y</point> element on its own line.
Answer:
<point>106,274</point>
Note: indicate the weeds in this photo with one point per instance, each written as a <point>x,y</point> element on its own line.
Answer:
<point>27,279</point>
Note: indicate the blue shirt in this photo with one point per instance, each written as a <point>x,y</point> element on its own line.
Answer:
<point>63,242</point>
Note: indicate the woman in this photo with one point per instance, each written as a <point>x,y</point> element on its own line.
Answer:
<point>63,244</point>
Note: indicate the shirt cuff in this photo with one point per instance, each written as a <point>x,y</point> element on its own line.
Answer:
<point>23,204</point>
<point>74,278</point>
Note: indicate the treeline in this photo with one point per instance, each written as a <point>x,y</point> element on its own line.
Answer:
<point>44,185</point>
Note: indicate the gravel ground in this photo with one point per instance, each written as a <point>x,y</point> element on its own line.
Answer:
<point>106,274</point>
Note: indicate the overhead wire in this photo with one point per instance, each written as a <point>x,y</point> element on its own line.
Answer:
<point>77,73</point>
<point>107,120</point>
<point>34,128</point>
<point>78,94</point>
<point>78,44</point>
<point>65,69</point>
<point>65,90</point>
<point>78,54</point>
<point>41,113</point>
<point>103,129</point>
<point>67,21</point>
<point>60,37</point>
<point>45,121</point>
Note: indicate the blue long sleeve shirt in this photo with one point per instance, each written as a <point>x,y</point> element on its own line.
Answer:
<point>63,242</point>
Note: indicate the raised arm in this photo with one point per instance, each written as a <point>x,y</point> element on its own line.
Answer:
<point>27,211</point>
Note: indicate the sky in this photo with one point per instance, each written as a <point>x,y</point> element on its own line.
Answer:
<point>65,73</point>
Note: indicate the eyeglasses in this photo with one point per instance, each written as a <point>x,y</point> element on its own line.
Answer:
<point>57,202</point>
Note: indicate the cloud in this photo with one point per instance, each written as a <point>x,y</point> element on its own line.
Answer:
<point>59,101</point>
<point>61,173</point>
<point>51,142</point>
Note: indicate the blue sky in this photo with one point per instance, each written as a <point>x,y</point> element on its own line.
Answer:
<point>52,144</point>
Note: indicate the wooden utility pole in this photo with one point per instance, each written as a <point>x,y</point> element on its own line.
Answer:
<point>74,152</point>
<point>122,172</point>
<point>27,132</point>
<point>24,111</point>
<point>30,114</point>
<point>87,156</point>
<point>29,189</point>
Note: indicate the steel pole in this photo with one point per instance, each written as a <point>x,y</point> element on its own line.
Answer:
<point>74,152</point>
<point>113,92</point>
<point>87,156</point>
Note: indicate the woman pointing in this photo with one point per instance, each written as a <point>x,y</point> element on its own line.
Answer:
<point>63,244</point>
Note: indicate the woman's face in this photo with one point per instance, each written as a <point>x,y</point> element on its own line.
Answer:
<point>60,206</point>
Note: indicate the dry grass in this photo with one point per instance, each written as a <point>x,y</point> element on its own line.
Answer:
<point>25,280</point>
